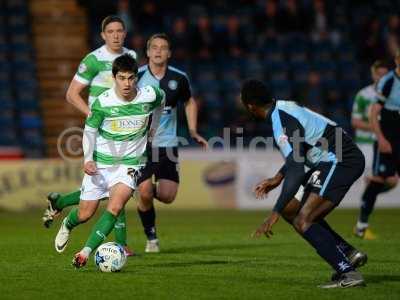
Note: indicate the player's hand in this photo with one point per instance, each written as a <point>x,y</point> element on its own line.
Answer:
<point>152,133</point>
<point>199,139</point>
<point>90,168</point>
<point>384,145</point>
<point>265,186</point>
<point>266,227</point>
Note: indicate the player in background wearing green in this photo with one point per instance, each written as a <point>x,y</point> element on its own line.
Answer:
<point>380,181</point>
<point>114,145</point>
<point>94,73</point>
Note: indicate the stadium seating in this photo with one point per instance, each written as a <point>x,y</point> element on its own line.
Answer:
<point>284,59</point>
<point>18,85</point>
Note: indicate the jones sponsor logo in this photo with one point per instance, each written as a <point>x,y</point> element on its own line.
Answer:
<point>124,125</point>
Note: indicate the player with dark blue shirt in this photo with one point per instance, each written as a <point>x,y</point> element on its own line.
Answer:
<point>163,153</point>
<point>307,139</point>
<point>385,120</point>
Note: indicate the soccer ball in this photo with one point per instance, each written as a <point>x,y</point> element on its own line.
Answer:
<point>110,257</point>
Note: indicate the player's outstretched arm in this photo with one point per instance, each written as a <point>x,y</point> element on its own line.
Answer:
<point>191,111</point>
<point>293,172</point>
<point>74,97</point>
<point>267,185</point>
<point>266,227</point>
<point>294,175</point>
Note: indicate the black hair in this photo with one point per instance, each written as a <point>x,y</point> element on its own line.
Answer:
<point>161,35</point>
<point>255,92</point>
<point>111,19</point>
<point>124,63</point>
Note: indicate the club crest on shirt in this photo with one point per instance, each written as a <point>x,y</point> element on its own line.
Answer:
<point>172,84</point>
<point>114,110</point>
<point>82,68</point>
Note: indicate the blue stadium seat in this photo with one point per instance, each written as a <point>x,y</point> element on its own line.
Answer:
<point>300,77</point>
<point>278,75</point>
<point>271,66</point>
<point>32,138</point>
<point>28,121</point>
<point>212,100</point>
<point>8,137</point>
<point>324,65</point>
<point>6,103</point>
<point>17,6</point>
<point>7,118</point>
<point>322,46</point>
<point>282,89</point>
<point>296,43</point>
<point>252,67</point>
<point>208,86</point>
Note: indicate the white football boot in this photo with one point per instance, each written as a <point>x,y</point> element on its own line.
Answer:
<point>152,246</point>
<point>62,237</point>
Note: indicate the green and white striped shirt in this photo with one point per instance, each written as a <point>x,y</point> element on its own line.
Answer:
<point>364,98</point>
<point>122,126</point>
<point>95,70</point>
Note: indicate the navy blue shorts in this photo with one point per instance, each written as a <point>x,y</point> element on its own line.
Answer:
<point>163,164</point>
<point>332,180</point>
<point>384,164</point>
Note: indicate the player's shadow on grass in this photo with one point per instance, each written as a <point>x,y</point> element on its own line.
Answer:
<point>184,264</point>
<point>205,248</point>
<point>376,278</point>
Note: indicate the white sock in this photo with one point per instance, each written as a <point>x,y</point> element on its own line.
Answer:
<point>86,251</point>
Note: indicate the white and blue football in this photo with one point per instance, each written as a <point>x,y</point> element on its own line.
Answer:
<point>110,257</point>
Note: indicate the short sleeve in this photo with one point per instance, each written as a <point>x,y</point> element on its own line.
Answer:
<point>384,87</point>
<point>96,117</point>
<point>87,70</point>
<point>288,133</point>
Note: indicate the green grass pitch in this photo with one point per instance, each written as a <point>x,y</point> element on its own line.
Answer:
<point>205,255</point>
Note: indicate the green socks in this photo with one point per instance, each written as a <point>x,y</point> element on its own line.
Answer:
<point>101,230</point>
<point>69,199</point>
<point>120,229</point>
<point>73,198</point>
<point>72,219</point>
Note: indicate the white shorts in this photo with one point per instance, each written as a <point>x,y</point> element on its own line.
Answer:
<point>97,186</point>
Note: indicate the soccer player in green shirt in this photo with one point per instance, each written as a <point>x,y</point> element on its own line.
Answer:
<point>94,73</point>
<point>114,145</point>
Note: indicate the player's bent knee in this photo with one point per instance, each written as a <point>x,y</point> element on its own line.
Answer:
<point>301,224</point>
<point>146,193</point>
<point>146,196</point>
<point>166,198</point>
